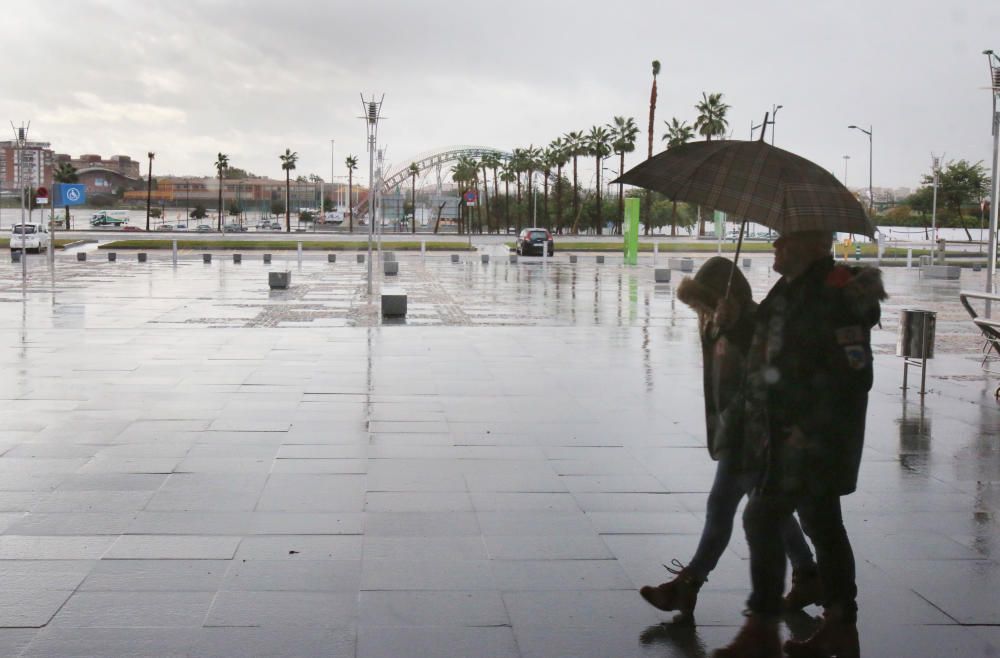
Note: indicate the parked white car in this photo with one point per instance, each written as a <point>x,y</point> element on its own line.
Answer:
<point>29,237</point>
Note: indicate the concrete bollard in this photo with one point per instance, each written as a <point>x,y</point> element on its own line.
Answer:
<point>393,302</point>
<point>687,265</point>
<point>484,258</point>
<point>390,268</point>
<point>600,259</point>
<point>81,256</point>
<point>512,258</point>
<point>454,258</point>
<point>267,259</point>
<point>237,258</point>
<point>141,256</point>
<point>661,275</point>
<point>976,267</point>
<point>331,258</point>
<point>279,280</point>
<point>112,257</point>
<point>746,262</point>
<point>361,258</point>
<point>572,258</point>
<point>206,258</point>
<point>15,256</point>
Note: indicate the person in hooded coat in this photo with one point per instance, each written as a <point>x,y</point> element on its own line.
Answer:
<point>724,352</point>
<point>809,374</point>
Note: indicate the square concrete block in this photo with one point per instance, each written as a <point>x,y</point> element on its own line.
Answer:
<point>941,271</point>
<point>484,258</point>
<point>393,302</point>
<point>81,256</point>
<point>512,258</point>
<point>141,256</point>
<point>976,267</point>
<point>661,275</point>
<point>687,265</point>
<point>454,258</point>
<point>600,259</point>
<point>746,262</point>
<point>388,256</point>
<point>279,280</point>
<point>112,256</point>
<point>267,259</point>
<point>15,256</point>
<point>361,258</point>
<point>331,258</point>
<point>206,258</point>
<point>237,258</point>
<point>572,258</point>
<point>390,268</point>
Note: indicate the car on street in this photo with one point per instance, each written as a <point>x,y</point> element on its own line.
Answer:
<point>234,228</point>
<point>30,236</point>
<point>535,240</point>
<point>204,228</point>
<point>133,228</point>
<point>276,226</point>
<point>165,227</point>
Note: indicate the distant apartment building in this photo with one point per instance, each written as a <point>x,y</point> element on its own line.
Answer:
<point>104,176</point>
<point>248,193</point>
<point>30,166</point>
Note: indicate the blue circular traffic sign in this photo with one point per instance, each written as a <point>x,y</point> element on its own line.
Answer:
<point>73,194</point>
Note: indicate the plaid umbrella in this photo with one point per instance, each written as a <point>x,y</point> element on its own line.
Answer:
<point>754,181</point>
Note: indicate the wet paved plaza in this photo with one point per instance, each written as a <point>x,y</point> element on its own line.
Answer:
<point>191,464</point>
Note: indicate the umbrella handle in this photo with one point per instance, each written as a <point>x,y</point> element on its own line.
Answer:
<point>736,258</point>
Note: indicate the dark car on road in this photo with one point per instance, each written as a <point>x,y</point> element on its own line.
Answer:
<point>533,241</point>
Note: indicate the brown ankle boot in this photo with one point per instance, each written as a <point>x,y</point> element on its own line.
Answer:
<point>679,594</point>
<point>807,589</point>
<point>758,638</point>
<point>835,637</point>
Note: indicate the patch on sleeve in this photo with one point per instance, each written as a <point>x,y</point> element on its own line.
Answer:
<point>850,335</point>
<point>856,357</point>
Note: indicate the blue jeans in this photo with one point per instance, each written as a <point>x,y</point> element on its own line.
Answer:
<point>823,521</point>
<point>728,489</point>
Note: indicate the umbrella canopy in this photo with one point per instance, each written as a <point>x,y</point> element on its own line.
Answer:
<point>754,181</point>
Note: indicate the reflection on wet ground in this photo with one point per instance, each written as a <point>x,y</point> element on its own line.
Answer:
<point>191,464</point>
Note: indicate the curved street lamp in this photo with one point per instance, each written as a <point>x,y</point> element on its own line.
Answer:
<point>774,114</point>
<point>871,196</point>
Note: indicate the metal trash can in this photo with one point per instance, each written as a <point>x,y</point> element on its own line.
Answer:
<point>916,334</point>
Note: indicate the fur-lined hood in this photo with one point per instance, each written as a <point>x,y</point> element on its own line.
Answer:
<point>862,287</point>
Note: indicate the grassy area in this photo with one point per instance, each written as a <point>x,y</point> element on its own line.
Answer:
<point>665,247</point>
<point>279,245</point>
<point>5,243</point>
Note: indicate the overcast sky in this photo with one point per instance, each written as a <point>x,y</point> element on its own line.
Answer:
<point>190,78</point>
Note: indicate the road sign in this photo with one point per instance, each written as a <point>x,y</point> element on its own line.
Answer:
<point>471,197</point>
<point>70,194</point>
<point>41,196</point>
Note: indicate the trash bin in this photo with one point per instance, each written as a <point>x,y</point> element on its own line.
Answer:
<point>916,334</point>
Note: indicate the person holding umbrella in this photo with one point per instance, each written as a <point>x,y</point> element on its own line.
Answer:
<point>809,373</point>
<point>724,351</point>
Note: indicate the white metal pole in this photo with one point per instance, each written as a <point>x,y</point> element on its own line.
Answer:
<point>991,266</point>
<point>935,166</point>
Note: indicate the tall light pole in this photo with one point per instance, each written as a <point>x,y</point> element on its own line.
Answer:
<point>936,169</point>
<point>372,113</point>
<point>149,185</point>
<point>774,113</point>
<point>871,196</point>
<point>991,267</point>
<point>846,158</point>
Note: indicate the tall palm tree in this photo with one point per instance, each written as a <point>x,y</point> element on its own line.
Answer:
<point>516,166</point>
<point>487,162</point>
<point>559,157</point>
<point>575,146</point>
<point>65,173</point>
<point>623,134</point>
<point>221,164</point>
<point>532,163</point>
<point>414,170</point>
<point>352,164</point>
<point>507,175</point>
<point>149,185</point>
<point>599,146</point>
<point>678,132</point>
<point>288,160</point>
<point>465,172</point>
<point>649,136</point>
<point>711,122</point>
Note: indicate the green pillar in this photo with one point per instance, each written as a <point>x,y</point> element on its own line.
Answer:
<point>631,231</point>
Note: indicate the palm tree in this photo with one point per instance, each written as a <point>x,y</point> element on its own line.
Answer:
<point>488,161</point>
<point>352,164</point>
<point>464,172</point>
<point>623,134</point>
<point>575,146</point>
<point>711,122</point>
<point>65,173</point>
<point>678,132</point>
<point>288,160</point>
<point>559,157</point>
<point>149,185</point>
<point>414,169</point>
<point>649,153</point>
<point>532,163</point>
<point>221,163</point>
<point>599,146</point>
<point>507,175</point>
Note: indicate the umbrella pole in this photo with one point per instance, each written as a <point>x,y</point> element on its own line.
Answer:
<point>736,258</point>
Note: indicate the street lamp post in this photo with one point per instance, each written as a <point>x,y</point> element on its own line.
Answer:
<point>774,114</point>
<point>149,185</point>
<point>994,63</point>
<point>846,158</point>
<point>871,197</point>
<point>372,114</point>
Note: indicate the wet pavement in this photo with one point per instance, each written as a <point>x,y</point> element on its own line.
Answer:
<point>195,465</point>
